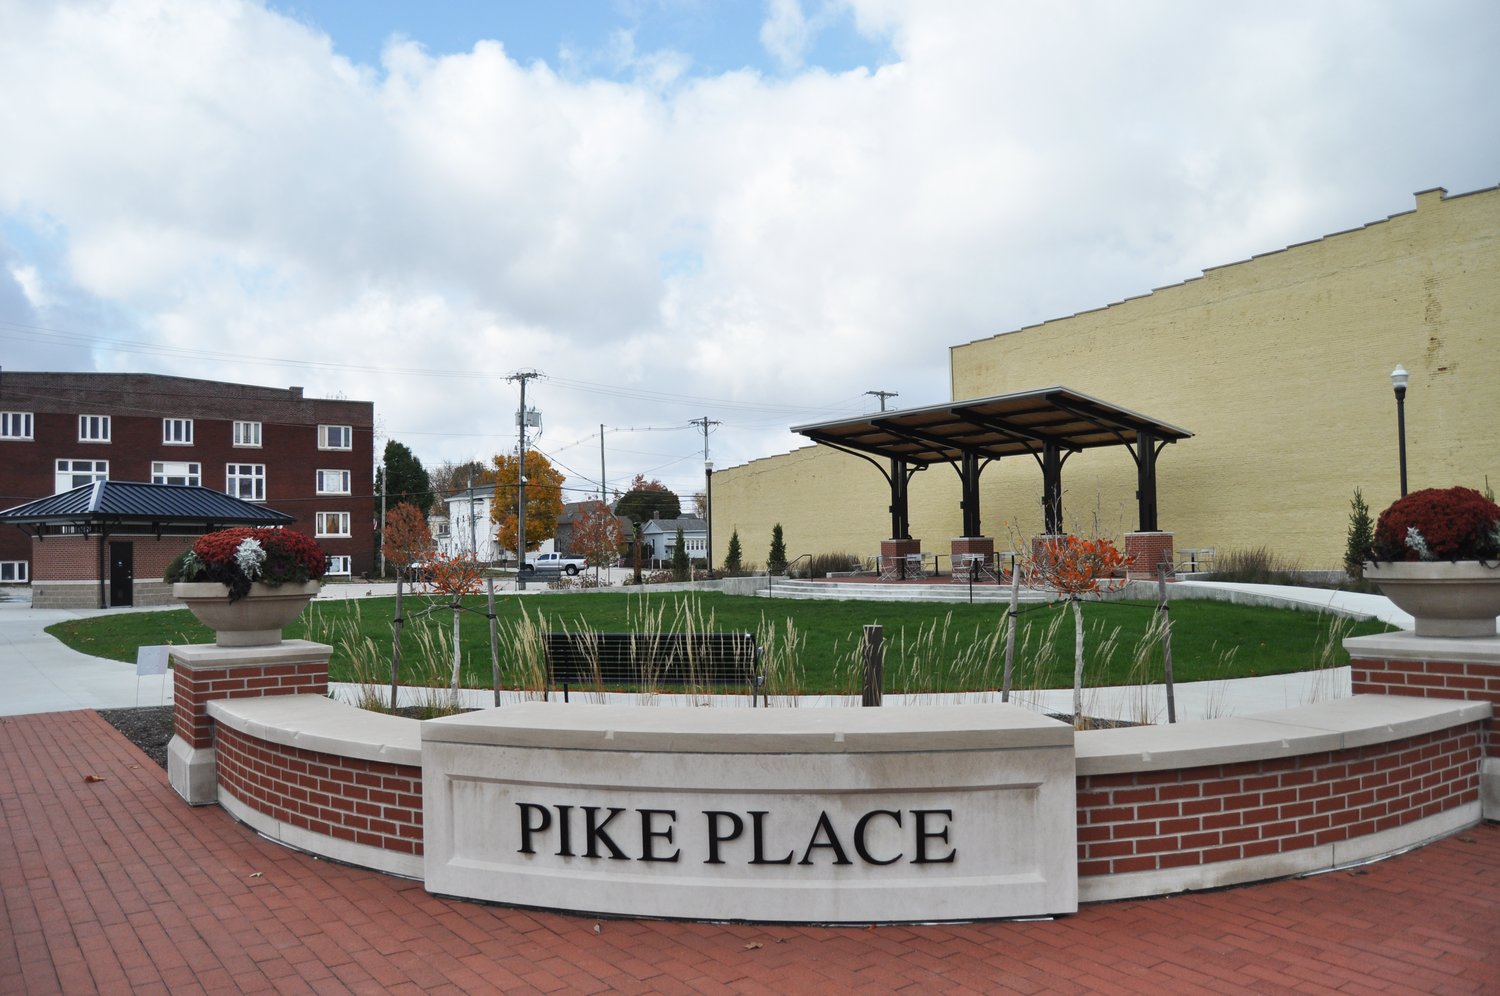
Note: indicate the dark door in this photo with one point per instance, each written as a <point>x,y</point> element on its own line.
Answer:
<point>121,574</point>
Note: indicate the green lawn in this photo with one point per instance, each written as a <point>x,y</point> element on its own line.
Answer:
<point>811,646</point>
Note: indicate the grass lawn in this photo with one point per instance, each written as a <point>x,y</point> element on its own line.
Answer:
<point>929,646</point>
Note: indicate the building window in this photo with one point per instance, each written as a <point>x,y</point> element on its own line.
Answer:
<point>333,482</point>
<point>14,572</point>
<point>335,437</point>
<point>177,431</point>
<point>246,481</point>
<point>333,524</point>
<point>339,565</point>
<point>15,425</point>
<point>247,434</point>
<point>166,472</point>
<point>76,473</point>
<point>93,428</point>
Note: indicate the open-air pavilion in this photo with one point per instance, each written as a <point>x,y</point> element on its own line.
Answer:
<point>1048,425</point>
<point>91,543</point>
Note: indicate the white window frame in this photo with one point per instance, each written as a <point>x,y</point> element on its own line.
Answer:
<point>335,437</point>
<point>339,520</point>
<point>177,432</point>
<point>333,482</point>
<point>237,473</point>
<point>15,572</point>
<point>17,425</point>
<point>339,565</point>
<point>93,428</point>
<point>92,471</point>
<point>191,473</point>
<point>243,431</point>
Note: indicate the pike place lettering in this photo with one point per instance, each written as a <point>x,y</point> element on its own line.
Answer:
<point>612,833</point>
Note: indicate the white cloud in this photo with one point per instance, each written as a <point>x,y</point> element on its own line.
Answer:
<point>746,246</point>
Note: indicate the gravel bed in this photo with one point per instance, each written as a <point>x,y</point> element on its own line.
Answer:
<point>149,728</point>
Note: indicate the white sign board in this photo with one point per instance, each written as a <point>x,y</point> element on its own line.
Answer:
<point>151,660</point>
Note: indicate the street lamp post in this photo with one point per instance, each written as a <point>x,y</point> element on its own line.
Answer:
<point>708,513</point>
<point>1399,377</point>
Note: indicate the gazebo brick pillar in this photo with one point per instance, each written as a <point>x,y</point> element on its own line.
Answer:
<point>899,549</point>
<point>1146,551</point>
<point>204,672</point>
<point>983,545</point>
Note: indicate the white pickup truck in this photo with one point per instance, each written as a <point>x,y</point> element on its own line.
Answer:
<point>548,562</point>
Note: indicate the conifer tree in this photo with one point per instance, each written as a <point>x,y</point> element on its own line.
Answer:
<point>732,563</point>
<point>776,562</point>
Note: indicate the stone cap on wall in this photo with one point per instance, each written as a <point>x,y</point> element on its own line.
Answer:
<point>318,723</point>
<point>753,731</point>
<point>1353,722</point>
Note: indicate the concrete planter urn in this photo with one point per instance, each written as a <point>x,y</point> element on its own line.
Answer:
<point>1458,599</point>
<point>253,621</point>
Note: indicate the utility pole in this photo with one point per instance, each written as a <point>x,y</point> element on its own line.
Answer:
<point>602,495</point>
<point>523,376</point>
<point>882,395</point>
<point>473,526</point>
<point>708,483</point>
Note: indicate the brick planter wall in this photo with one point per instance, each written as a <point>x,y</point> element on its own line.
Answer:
<point>1476,681</point>
<point>1156,820</point>
<point>196,686</point>
<point>373,803</point>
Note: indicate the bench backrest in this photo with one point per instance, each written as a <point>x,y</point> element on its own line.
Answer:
<point>651,659</point>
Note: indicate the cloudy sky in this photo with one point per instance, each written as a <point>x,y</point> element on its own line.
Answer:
<point>753,212</point>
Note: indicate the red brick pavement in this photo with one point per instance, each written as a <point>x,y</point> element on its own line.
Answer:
<point>116,885</point>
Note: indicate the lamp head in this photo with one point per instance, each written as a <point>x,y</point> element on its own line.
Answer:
<point>1399,377</point>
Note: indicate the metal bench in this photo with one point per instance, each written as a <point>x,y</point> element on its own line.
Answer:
<point>591,658</point>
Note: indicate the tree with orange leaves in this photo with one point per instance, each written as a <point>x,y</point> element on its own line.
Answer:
<point>544,502</point>
<point>1078,567</point>
<point>597,535</point>
<point>406,540</point>
<point>456,575</point>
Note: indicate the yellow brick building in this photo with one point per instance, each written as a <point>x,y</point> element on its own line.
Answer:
<point>1280,366</point>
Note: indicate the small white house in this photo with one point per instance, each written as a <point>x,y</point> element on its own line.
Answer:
<point>659,538</point>
<point>467,527</point>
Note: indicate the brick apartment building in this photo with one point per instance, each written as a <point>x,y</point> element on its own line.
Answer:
<point>312,459</point>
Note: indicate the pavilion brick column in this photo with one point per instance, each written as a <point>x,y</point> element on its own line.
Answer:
<point>1147,550</point>
<point>204,672</point>
<point>898,550</point>
<point>1442,668</point>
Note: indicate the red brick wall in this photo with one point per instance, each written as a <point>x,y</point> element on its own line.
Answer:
<point>375,803</point>
<point>196,687</point>
<point>137,403</point>
<point>1147,551</point>
<point>1474,681</point>
<point>64,558</point>
<point>1165,819</point>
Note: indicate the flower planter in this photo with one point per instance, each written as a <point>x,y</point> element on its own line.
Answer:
<point>1446,599</point>
<point>253,621</point>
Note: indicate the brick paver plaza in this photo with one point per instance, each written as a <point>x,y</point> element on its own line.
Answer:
<point>115,885</point>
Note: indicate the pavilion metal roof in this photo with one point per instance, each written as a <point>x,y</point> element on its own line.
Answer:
<point>124,503</point>
<point>993,427</point>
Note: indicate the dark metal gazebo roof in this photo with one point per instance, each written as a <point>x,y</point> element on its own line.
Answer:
<point>107,506</point>
<point>1047,424</point>
<point>994,427</point>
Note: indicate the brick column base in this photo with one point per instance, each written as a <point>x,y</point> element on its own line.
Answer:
<point>1147,550</point>
<point>204,672</point>
<point>1436,667</point>
<point>896,550</point>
